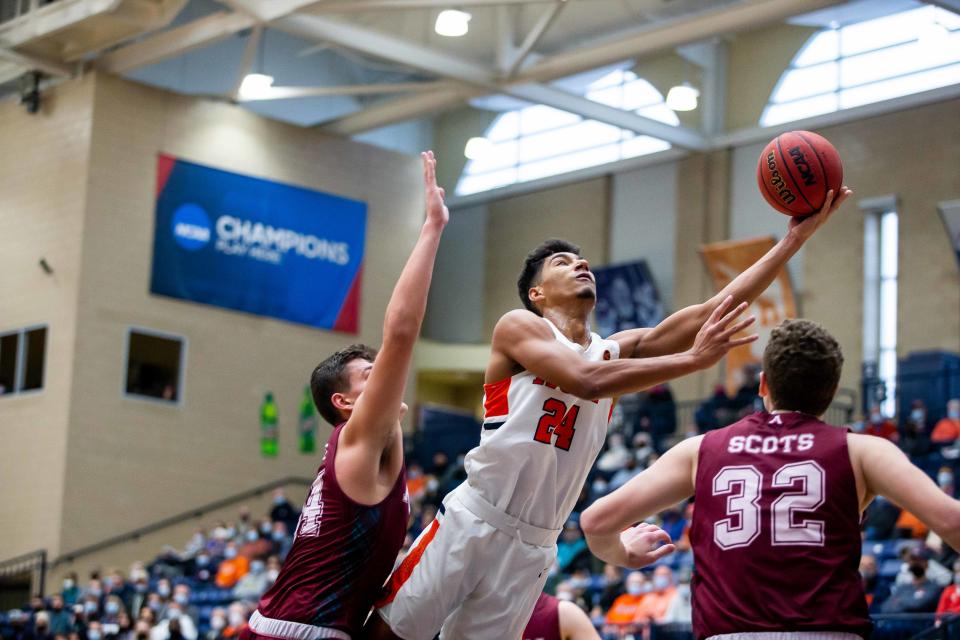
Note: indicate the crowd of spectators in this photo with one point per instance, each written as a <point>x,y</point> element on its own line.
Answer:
<point>905,568</point>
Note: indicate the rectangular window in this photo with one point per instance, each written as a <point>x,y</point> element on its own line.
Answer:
<point>22,358</point>
<point>880,299</point>
<point>154,365</point>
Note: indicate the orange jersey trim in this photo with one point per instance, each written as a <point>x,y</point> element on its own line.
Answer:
<point>495,402</point>
<point>405,570</point>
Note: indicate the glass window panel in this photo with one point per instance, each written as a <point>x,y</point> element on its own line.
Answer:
<point>476,183</point>
<point>896,87</point>
<point>9,345</point>
<point>888,314</point>
<point>501,155</point>
<point>540,118</point>
<point>640,93</point>
<point>153,366</point>
<point>777,113</point>
<point>822,47</point>
<point>641,146</point>
<point>34,360</point>
<point>897,61</point>
<point>949,19</point>
<point>661,113</point>
<point>887,372</point>
<point>882,32</point>
<point>889,241</point>
<point>809,81</point>
<point>569,162</point>
<point>612,79</point>
<point>505,127</point>
<point>583,135</point>
<point>612,96</point>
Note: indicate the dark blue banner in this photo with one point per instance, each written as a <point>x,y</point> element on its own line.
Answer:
<point>257,246</point>
<point>627,298</point>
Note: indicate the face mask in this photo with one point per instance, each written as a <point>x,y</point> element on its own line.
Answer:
<point>93,634</point>
<point>565,595</point>
<point>580,583</point>
<point>876,418</point>
<point>112,608</point>
<point>252,536</point>
<point>231,532</point>
<point>140,587</point>
<point>108,582</point>
<point>155,606</point>
<point>217,623</point>
<point>661,582</point>
<point>164,590</point>
<point>272,574</point>
<point>229,553</point>
<point>256,567</point>
<point>953,414</point>
<point>634,589</point>
<point>202,561</point>
<point>89,607</point>
<point>917,570</point>
<point>173,613</point>
<point>278,500</point>
<point>599,486</point>
<point>181,598</point>
<point>944,478</point>
<point>278,536</point>
<point>68,584</point>
<point>236,619</point>
<point>917,415</point>
<point>96,593</point>
<point>858,427</point>
<point>265,528</point>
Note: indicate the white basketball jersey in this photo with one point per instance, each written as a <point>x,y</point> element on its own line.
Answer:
<point>538,442</point>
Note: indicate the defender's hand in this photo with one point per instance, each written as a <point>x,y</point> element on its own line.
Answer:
<point>437,211</point>
<point>715,337</point>
<point>804,227</point>
<point>640,543</point>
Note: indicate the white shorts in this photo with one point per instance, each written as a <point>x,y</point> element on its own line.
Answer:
<point>477,577</point>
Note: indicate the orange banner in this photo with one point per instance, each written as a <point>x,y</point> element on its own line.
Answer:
<point>727,260</point>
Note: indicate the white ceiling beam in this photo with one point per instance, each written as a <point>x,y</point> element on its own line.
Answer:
<point>660,37</point>
<point>400,109</point>
<point>949,5</point>
<point>536,33</point>
<point>32,63</point>
<point>506,43</point>
<point>52,18</point>
<point>174,42</point>
<point>10,71</point>
<point>391,48</point>
<point>246,62</point>
<point>286,93</point>
<point>362,6</point>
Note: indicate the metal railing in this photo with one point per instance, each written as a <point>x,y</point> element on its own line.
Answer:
<point>14,9</point>
<point>192,514</point>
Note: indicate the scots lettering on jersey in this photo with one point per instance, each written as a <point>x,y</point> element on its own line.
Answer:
<point>771,444</point>
<point>312,514</point>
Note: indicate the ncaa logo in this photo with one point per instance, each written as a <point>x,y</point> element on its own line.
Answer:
<point>191,227</point>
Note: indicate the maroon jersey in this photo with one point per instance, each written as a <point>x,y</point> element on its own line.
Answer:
<point>545,621</point>
<point>342,553</point>
<point>776,529</point>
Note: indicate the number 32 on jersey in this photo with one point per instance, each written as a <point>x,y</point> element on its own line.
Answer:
<point>802,486</point>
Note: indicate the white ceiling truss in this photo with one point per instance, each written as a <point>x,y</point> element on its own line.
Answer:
<point>520,65</point>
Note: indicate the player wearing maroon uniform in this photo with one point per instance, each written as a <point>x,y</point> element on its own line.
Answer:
<point>555,619</point>
<point>355,517</point>
<point>775,532</point>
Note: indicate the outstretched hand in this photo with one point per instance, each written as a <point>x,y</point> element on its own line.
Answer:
<point>804,227</point>
<point>436,208</point>
<point>715,337</point>
<point>640,543</point>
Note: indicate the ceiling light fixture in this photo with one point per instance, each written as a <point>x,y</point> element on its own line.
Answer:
<point>683,97</point>
<point>255,85</point>
<point>452,23</point>
<point>477,148</point>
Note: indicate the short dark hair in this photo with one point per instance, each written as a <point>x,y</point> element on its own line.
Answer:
<point>802,365</point>
<point>328,378</point>
<point>533,266</point>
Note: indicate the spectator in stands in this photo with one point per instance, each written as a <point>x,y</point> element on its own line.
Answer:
<point>624,610</point>
<point>181,595</point>
<point>94,630</point>
<point>94,590</point>
<point>662,411</point>
<point>616,455</point>
<point>41,626</point>
<point>880,518</point>
<point>137,597</point>
<point>914,439</point>
<point>630,469</point>
<point>950,598</point>
<point>947,430</point>
<point>237,615</point>
<point>254,584</point>
<point>918,596</point>
<point>255,546</point>
<point>416,482</point>
<point>115,584</point>
<point>661,596</point>
<point>265,527</point>
<point>112,608</point>
<point>715,411</point>
<point>673,522</point>
<point>61,621</point>
<point>876,590</point>
<point>70,592</point>
<point>141,630</point>
<point>945,480</point>
<point>91,607</point>
<point>613,586</point>
<point>282,539</point>
<point>880,426</point>
<point>175,625</point>
<point>244,521</point>
<point>156,605</point>
<point>569,592</point>
<point>571,548</point>
<point>233,567</point>
<point>273,568</point>
<point>642,449</point>
<point>218,622</point>
<point>203,568</point>
<point>935,572</point>
<point>148,614</point>
<point>909,526</point>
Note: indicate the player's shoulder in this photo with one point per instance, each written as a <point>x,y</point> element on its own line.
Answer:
<point>519,321</point>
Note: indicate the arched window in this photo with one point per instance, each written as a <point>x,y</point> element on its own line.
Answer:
<point>539,141</point>
<point>869,61</point>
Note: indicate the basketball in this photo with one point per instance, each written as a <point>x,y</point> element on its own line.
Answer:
<point>796,170</point>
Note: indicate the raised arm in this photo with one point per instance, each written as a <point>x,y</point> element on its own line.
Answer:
<point>608,522</point>
<point>372,423</point>
<point>887,471</point>
<point>677,331</point>
<point>525,338</point>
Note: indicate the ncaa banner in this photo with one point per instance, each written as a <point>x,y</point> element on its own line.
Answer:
<point>727,260</point>
<point>950,214</point>
<point>627,298</point>
<point>257,246</point>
